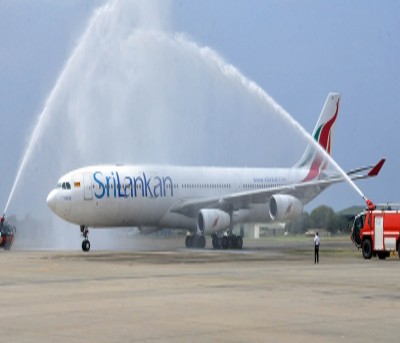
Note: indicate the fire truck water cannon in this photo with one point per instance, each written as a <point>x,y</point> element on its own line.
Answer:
<point>370,205</point>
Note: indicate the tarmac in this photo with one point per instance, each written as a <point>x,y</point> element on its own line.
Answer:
<point>271,291</point>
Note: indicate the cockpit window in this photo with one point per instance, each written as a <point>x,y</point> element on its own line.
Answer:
<point>64,185</point>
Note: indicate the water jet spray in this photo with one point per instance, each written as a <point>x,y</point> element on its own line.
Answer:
<point>129,68</point>
<point>232,72</point>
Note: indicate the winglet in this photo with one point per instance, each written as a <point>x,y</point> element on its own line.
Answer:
<point>375,170</point>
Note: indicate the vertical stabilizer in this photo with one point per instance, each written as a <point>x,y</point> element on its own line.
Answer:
<point>323,134</point>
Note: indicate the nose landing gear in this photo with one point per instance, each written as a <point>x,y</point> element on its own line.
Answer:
<point>85,235</point>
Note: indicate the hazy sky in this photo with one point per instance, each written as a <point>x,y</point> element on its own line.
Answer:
<point>297,51</point>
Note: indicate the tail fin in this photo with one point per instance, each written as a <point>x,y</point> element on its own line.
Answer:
<point>323,134</point>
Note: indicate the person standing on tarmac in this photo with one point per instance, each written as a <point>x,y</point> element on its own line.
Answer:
<point>316,248</point>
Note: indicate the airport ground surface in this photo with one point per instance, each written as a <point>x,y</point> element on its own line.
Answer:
<point>270,291</point>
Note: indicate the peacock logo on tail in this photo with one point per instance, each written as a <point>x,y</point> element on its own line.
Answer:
<point>323,135</point>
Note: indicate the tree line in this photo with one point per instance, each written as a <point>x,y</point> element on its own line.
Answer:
<point>322,217</point>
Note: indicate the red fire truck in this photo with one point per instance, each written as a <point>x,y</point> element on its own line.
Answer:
<point>377,231</point>
<point>7,234</point>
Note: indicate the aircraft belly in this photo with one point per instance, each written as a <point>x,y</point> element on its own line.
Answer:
<point>118,212</point>
<point>178,221</point>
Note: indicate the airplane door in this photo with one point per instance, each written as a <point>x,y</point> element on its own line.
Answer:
<point>378,233</point>
<point>87,180</point>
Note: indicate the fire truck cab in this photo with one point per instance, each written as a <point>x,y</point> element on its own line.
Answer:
<point>377,231</point>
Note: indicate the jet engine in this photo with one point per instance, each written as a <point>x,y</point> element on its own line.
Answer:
<point>212,220</point>
<point>283,207</point>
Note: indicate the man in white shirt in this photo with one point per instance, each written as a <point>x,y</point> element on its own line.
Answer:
<point>316,248</point>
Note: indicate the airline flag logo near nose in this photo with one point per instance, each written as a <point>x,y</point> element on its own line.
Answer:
<point>323,137</point>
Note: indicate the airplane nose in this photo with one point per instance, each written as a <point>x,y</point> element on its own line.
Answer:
<point>51,200</point>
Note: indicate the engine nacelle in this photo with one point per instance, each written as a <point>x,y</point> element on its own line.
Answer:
<point>212,220</point>
<point>283,207</point>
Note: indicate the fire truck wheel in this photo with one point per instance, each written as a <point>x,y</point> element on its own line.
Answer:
<point>382,255</point>
<point>367,249</point>
<point>7,246</point>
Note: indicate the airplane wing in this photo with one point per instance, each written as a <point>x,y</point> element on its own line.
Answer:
<point>304,190</point>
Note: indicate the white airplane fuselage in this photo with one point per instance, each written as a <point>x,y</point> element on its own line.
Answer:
<point>142,196</point>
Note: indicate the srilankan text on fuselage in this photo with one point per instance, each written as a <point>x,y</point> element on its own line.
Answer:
<point>115,186</point>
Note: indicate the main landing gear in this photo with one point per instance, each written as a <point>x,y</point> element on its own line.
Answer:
<point>228,241</point>
<point>85,234</point>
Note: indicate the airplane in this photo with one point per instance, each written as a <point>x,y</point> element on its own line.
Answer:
<point>202,200</point>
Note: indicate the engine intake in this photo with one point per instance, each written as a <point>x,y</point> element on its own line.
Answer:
<point>212,220</point>
<point>283,207</point>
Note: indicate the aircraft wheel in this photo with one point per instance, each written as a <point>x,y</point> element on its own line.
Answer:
<point>201,242</point>
<point>239,242</point>
<point>224,242</point>
<point>232,242</point>
<point>85,245</point>
<point>215,243</point>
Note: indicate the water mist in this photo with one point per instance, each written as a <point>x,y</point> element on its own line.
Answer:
<point>133,93</point>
